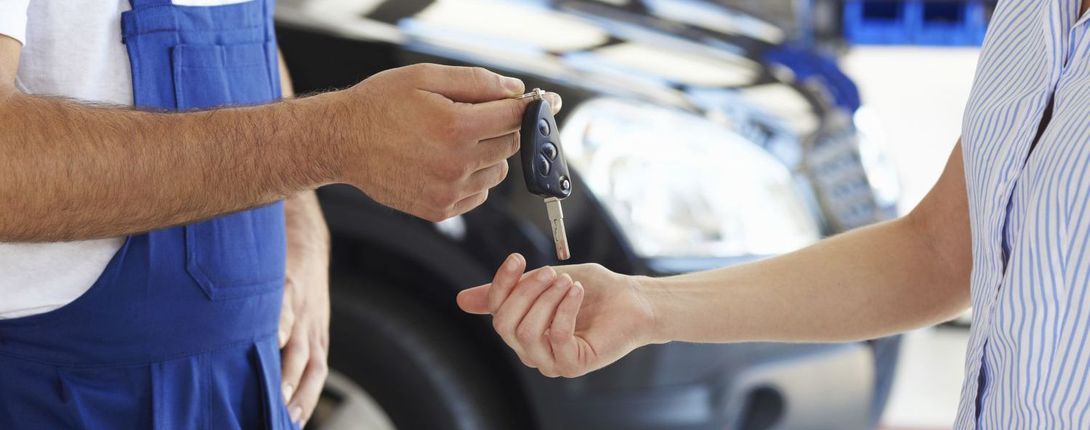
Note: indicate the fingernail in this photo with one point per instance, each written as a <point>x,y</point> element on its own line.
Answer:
<point>562,281</point>
<point>513,85</point>
<point>574,291</point>
<point>546,274</point>
<point>296,413</point>
<point>511,263</point>
<point>288,390</point>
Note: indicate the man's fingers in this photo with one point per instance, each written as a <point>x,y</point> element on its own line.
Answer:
<point>467,84</point>
<point>494,150</point>
<point>469,203</point>
<point>492,119</point>
<point>294,357</point>
<point>474,300</point>
<point>310,386</point>
<point>562,332</point>
<point>287,321</point>
<point>498,117</point>
<point>531,331</point>
<point>506,277</point>
<point>488,177</point>
<point>555,102</point>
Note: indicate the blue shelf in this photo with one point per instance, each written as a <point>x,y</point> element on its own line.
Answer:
<point>915,22</point>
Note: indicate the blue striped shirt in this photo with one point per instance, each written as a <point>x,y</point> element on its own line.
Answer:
<point>1028,362</point>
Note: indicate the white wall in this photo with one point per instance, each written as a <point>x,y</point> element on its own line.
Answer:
<point>918,94</point>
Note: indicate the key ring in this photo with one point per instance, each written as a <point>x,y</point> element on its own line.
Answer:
<point>537,94</point>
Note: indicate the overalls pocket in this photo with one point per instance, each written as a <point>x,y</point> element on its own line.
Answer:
<point>207,76</point>
<point>240,254</point>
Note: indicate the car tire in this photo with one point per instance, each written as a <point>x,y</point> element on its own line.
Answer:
<point>414,362</point>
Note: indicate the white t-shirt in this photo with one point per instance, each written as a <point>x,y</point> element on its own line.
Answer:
<point>71,48</point>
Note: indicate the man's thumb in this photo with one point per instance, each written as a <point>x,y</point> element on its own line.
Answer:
<point>474,300</point>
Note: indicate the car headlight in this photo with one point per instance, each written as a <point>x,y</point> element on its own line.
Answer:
<point>876,160</point>
<point>680,185</point>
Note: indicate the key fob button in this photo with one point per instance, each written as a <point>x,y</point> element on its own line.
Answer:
<point>543,127</point>
<point>549,151</point>
<point>543,165</point>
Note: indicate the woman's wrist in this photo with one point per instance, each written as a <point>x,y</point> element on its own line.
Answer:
<point>657,297</point>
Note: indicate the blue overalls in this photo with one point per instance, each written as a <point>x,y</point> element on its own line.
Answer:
<point>179,332</point>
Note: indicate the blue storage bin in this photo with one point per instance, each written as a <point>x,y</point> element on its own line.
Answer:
<point>954,23</point>
<point>915,22</point>
<point>879,22</point>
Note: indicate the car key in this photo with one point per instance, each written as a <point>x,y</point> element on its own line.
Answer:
<point>543,164</point>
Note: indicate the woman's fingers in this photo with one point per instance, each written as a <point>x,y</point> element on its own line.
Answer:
<point>535,314</point>
<point>474,300</point>
<point>562,334</point>
<point>506,278</point>
<point>531,331</point>
<point>510,314</point>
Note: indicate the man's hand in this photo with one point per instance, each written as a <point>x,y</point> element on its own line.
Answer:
<point>426,139</point>
<point>560,326</point>
<point>304,317</point>
<point>431,140</point>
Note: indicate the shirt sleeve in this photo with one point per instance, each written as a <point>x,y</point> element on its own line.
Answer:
<point>13,17</point>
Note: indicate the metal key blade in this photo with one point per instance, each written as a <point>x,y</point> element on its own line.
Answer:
<point>560,236</point>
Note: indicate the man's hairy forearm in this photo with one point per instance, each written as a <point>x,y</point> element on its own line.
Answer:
<point>70,171</point>
<point>863,284</point>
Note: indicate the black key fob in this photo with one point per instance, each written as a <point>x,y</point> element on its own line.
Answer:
<point>543,164</point>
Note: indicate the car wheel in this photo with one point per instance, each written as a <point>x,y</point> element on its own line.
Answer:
<point>414,362</point>
<point>345,406</point>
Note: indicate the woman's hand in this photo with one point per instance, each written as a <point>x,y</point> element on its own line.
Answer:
<point>564,321</point>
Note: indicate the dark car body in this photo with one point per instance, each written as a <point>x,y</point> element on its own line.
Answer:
<point>414,268</point>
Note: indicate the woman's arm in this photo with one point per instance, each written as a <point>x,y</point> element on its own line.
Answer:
<point>878,280</point>
<point>890,277</point>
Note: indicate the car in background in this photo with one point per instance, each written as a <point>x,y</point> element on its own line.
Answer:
<point>698,138</point>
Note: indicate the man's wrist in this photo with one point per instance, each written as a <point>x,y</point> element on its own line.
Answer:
<point>318,131</point>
